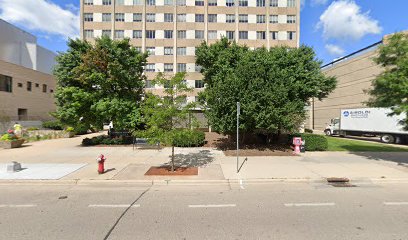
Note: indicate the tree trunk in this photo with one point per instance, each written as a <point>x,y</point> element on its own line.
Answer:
<point>172,158</point>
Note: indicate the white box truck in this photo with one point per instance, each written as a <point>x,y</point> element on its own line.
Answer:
<point>368,122</point>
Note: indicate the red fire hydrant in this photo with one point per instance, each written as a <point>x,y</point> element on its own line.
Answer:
<point>101,163</point>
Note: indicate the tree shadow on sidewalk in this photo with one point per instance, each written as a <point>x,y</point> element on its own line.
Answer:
<point>200,159</point>
<point>397,157</point>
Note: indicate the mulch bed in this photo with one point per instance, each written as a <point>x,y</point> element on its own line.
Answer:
<point>166,171</point>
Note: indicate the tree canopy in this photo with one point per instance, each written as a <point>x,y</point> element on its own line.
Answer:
<point>100,82</point>
<point>273,86</point>
<point>390,89</point>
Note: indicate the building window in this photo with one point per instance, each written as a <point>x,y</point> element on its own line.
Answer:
<point>274,3</point>
<point>291,19</point>
<point>151,51</point>
<point>168,34</point>
<point>181,2</point>
<point>120,2</point>
<point>22,114</point>
<point>137,17</point>
<point>243,3</point>
<point>243,18</point>
<point>168,2</point>
<point>150,34</point>
<point>151,17</point>
<point>181,67</point>
<point>230,3</point>
<point>137,33</point>
<point>89,33</point>
<point>291,3</point>
<point>199,2</point>
<point>274,35</point>
<point>149,84</point>
<point>260,18</point>
<point>37,85</point>
<point>197,68</point>
<point>260,35</point>
<point>88,2</point>
<point>151,2</point>
<point>273,19</point>
<point>212,18</point>
<point>168,67</point>
<point>230,35</point>
<point>212,34</point>
<point>199,18</point>
<point>260,3</point>
<point>44,88</point>
<point>181,51</point>
<point>212,2</point>
<point>29,86</point>
<point>138,2</point>
<point>51,91</point>
<point>119,17</point>
<point>168,51</point>
<point>106,17</point>
<point>243,34</point>
<point>150,67</point>
<point>106,2</point>
<point>291,35</point>
<point>139,49</point>
<point>230,18</point>
<point>88,17</point>
<point>168,17</point>
<point>106,33</point>
<point>6,83</point>
<point>181,17</point>
<point>119,34</point>
<point>199,84</point>
<point>181,34</point>
<point>19,85</point>
<point>199,34</point>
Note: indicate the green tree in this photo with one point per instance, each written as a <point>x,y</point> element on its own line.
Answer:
<point>390,88</point>
<point>99,82</point>
<point>273,86</point>
<point>165,115</point>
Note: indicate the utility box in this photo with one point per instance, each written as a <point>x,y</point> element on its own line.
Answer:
<point>13,167</point>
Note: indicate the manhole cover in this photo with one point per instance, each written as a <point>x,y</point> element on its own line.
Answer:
<point>63,197</point>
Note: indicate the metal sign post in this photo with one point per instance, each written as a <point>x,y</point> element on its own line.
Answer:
<point>238,112</point>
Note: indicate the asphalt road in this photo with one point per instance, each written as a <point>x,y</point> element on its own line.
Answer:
<point>260,211</point>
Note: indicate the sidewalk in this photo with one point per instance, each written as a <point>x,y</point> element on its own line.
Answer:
<point>124,164</point>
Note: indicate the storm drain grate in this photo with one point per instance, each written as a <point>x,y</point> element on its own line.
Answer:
<point>342,185</point>
<point>340,182</point>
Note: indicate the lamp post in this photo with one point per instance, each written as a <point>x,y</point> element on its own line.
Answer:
<point>238,112</point>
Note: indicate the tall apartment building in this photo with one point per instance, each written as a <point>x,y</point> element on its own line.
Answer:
<point>171,29</point>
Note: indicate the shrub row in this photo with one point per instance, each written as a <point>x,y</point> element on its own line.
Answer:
<point>106,140</point>
<point>188,138</point>
<point>313,142</point>
<point>54,125</point>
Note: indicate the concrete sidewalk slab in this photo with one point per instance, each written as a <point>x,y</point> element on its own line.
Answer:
<point>40,171</point>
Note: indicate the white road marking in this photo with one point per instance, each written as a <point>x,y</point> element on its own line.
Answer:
<point>17,205</point>
<point>240,183</point>
<point>309,204</point>
<point>212,206</point>
<point>395,203</point>
<point>113,205</point>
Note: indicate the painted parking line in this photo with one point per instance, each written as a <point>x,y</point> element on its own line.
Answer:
<point>309,204</point>
<point>113,205</point>
<point>17,205</point>
<point>212,205</point>
<point>396,203</point>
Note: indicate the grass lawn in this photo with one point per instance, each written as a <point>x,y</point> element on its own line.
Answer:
<point>342,144</point>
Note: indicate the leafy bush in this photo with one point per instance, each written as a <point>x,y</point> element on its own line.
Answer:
<point>313,142</point>
<point>69,129</point>
<point>32,129</point>
<point>9,137</point>
<point>106,140</point>
<point>307,130</point>
<point>188,138</point>
<point>54,125</point>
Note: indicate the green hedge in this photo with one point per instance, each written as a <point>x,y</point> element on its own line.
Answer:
<point>106,140</point>
<point>188,138</point>
<point>54,125</point>
<point>313,142</point>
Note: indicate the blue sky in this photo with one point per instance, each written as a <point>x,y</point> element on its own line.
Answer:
<point>333,28</point>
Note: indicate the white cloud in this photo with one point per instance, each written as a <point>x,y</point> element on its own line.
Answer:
<point>334,49</point>
<point>319,2</point>
<point>41,15</point>
<point>344,20</point>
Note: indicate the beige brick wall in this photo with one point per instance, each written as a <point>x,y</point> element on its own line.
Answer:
<point>37,103</point>
<point>354,76</point>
